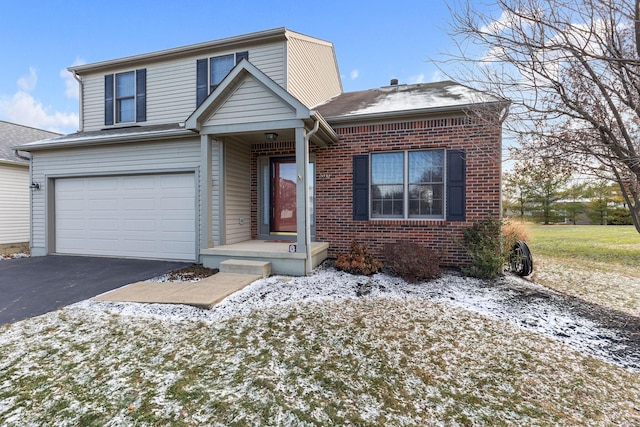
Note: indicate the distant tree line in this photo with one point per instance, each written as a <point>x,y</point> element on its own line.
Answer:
<point>543,191</point>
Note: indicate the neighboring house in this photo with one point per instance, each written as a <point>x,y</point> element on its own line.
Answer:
<point>247,148</point>
<point>14,185</point>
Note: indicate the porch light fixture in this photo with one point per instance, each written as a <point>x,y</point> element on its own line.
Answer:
<point>271,136</point>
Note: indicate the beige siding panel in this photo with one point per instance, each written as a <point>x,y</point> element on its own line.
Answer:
<point>251,102</point>
<point>171,85</point>
<point>93,111</point>
<point>270,59</point>
<point>216,229</point>
<point>131,158</point>
<point>313,75</point>
<point>237,193</point>
<point>14,204</point>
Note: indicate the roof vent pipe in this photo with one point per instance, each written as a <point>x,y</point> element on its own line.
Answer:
<point>394,82</point>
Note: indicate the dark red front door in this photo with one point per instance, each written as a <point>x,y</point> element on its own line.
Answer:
<point>284,196</point>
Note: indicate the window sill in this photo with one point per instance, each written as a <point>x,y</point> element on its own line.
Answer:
<point>409,221</point>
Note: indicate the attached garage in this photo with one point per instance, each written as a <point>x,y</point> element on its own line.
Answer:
<point>139,216</point>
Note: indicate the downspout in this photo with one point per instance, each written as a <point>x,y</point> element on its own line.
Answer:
<point>81,96</point>
<point>307,234</point>
<point>20,156</point>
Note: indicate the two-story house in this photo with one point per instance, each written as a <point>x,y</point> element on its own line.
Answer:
<point>247,147</point>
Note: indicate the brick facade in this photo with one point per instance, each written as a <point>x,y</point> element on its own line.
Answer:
<point>481,140</point>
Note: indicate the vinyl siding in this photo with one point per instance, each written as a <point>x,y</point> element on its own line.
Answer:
<point>171,85</point>
<point>216,230</point>
<point>131,158</point>
<point>251,102</point>
<point>14,204</point>
<point>312,70</point>
<point>237,192</point>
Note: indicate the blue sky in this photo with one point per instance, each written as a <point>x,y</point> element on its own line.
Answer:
<point>374,42</point>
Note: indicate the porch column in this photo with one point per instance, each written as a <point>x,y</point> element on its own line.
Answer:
<point>206,239</point>
<point>302,189</point>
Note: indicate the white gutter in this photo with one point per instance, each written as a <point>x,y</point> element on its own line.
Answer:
<point>307,230</point>
<point>80,97</point>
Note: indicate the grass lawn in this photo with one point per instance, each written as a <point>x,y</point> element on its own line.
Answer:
<point>600,264</point>
<point>367,361</point>
<point>616,245</point>
<point>378,361</point>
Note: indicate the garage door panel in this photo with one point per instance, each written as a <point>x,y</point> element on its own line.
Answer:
<point>143,182</point>
<point>139,225</point>
<point>147,216</point>
<point>140,203</point>
<point>102,184</point>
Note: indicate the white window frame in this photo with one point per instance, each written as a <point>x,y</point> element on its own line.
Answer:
<point>117,100</point>
<point>405,187</point>
<point>212,85</point>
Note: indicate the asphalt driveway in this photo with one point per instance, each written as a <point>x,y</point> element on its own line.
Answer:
<point>33,286</point>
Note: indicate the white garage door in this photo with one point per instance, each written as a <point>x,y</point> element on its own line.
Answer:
<point>141,216</point>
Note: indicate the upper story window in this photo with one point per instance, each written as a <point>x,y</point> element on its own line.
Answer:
<point>211,72</point>
<point>407,184</point>
<point>125,97</point>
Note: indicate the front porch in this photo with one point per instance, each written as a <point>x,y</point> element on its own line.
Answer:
<point>279,254</point>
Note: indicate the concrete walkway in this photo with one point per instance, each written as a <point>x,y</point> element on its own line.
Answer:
<point>204,294</point>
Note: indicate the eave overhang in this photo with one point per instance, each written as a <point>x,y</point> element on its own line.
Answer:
<point>112,136</point>
<point>260,37</point>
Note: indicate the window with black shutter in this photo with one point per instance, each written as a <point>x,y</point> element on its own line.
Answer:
<point>125,97</point>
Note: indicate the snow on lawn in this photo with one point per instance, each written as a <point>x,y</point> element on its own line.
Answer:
<point>495,299</point>
<point>330,359</point>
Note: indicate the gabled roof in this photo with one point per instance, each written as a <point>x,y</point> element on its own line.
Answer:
<point>282,101</point>
<point>398,100</point>
<point>13,135</point>
<point>235,42</point>
<point>239,73</point>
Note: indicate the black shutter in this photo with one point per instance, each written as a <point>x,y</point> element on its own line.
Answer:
<point>108,99</point>
<point>361,187</point>
<point>202,81</point>
<point>141,95</point>
<point>242,55</point>
<point>456,185</point>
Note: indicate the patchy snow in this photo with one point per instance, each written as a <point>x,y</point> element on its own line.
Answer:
<point>497,300</point>
<point>12,256</point>
<point>419,97</point>
<point>330,348</point>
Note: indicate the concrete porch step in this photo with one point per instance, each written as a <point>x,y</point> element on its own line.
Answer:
<point>242,266</point>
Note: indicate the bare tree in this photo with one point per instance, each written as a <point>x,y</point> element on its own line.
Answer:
<point>571,70</point>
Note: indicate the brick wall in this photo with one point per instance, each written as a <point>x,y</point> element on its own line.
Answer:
<point>481,139</point>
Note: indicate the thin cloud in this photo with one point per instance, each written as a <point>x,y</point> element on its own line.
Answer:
<point>437,76</point>
<point>25,109</point>
<point>72,90</point>
<point>354,74</point>
<point>416,79</point>
<point>28,82</point>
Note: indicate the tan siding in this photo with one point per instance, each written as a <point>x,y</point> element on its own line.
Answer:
<point>251,102</point>
<point>312,71</point>
<point>120,159</point>
<point>14,204</point>
<point>237,193</point>
<point>171,85</point>
<point>215,193</point>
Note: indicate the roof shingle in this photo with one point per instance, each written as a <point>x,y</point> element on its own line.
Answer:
<point>12,134</point>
